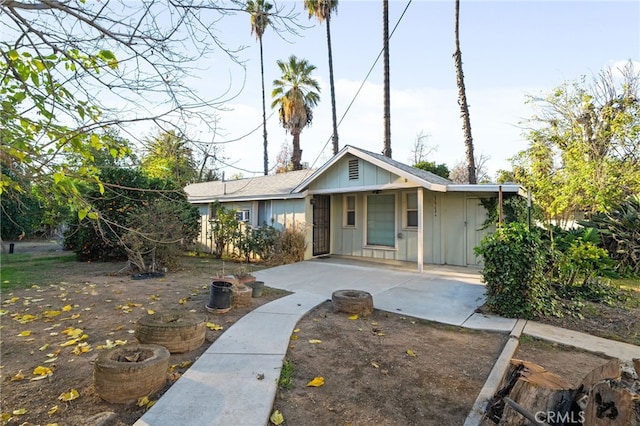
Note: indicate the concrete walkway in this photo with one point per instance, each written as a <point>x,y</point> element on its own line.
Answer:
<point>235,381</point>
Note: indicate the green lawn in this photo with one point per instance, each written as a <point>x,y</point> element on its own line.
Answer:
<point>25,269</point>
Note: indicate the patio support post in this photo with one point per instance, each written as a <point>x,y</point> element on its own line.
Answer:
<point>420,229</point>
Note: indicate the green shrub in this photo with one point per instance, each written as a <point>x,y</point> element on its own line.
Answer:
<point>513,271</point>
<point>224,228</point>
<point>136,213</point>
<point>620,233</point>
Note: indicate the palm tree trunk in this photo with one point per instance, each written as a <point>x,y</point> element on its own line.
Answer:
<point>333,89</point>
<point>296,155</point>
<point>264,115</point>
<point>462,100</point>
<point>387,98</point>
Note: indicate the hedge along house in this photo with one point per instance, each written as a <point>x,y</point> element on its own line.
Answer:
<point>365,205</point>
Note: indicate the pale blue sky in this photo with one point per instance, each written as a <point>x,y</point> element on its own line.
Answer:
<point>509,48</point>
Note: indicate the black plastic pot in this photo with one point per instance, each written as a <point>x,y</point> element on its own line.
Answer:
<point>220,295</point>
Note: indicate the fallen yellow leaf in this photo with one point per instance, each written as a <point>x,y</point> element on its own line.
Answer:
<point>69,342</point>
<point>315,341</point>
<point>353,317</point>
<point>19,411</point>
<point>143,401</point>
<point>277,418</point>
<point>24,333</point>
<point>44,347</point>
<point>150,311</point>
<point>411,353</point>
<point>214,327</point>
<point>72,332</point>
<point>42,371</point>
<point>69,396</point>
<point>52,410</point>
<point>66,308</point>
<point>297,330</point>
<point>51,314</point>
<point>294,337</point>
<point>23,319</point>
<point>19,376</point>
<point>316,382</point>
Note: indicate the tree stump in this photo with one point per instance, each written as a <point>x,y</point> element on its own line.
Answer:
<point>539,392</point>
<point>609,395</point>
<point>352,302</point>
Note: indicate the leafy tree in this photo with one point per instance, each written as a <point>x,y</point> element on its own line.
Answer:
<point>224,228</point>
<point>322,10</point>
<point>128,195</point>
<point>431,166</point>
<point>295,94</point>
<point>168,156</point>
<point>68,70</point>
<point>35,141</point>
<point>584,145</point>
<point>19,215</point>
<point>259,11</point>
<point>472,169</point>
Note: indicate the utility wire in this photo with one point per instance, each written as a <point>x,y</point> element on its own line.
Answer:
<point>363,82</point>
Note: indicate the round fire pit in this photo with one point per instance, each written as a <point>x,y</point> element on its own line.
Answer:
<point>352,302</point>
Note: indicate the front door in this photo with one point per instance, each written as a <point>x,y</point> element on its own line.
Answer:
<point>321,224</point>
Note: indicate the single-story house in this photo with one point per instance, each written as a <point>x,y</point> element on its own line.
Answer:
<point>362,204</point>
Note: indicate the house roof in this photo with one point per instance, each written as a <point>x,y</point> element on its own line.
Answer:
<point>270,187</point>
<point>427,179</point>
<point>292,185</point>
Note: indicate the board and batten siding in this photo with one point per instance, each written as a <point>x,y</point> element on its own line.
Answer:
<point>337,177</point>
<point>278,213</point>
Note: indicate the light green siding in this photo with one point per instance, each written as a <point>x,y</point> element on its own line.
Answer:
<point>337,176</point>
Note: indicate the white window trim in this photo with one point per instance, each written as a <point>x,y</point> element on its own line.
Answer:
<point>405,212</point>
<point>346,210</point>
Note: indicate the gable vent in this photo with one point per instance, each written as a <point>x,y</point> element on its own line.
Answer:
<point>353,170</point>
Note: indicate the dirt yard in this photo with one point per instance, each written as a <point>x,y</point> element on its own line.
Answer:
<point>382,369</point>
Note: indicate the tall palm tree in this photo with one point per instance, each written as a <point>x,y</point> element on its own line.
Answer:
<point>322,10</point>
<point>462,100</point>
<point>294,94</point>
<point>387,96</point>
<point>259,11</point>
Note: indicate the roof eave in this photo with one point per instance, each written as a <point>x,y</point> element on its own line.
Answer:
<point>510,188</point>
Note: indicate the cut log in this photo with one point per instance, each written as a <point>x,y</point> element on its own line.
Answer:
<point>612,370</point>
<point>541,393</point>
<point>611,405</point>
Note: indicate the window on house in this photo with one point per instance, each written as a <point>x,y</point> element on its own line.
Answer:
<point>350,210</point>
<point>354,173</point>
<point>381,228</point>
<point>412,210</point>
